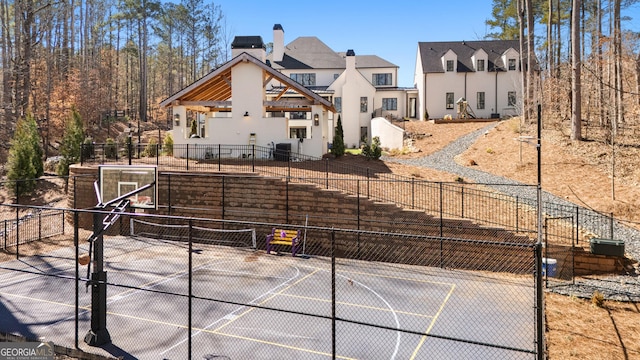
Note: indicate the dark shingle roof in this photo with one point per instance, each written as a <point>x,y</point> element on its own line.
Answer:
<point>247,42</point>
<point>308,52</point>
<point>432,52</point>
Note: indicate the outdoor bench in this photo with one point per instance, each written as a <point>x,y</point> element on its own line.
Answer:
<point>283,237</point>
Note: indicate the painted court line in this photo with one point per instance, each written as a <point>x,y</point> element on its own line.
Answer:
<point>131,292</point>
<point>424,337</point>
<point>227,317</point>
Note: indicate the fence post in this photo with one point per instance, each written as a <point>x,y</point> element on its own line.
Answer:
<point>326,171</point>
<point>5,234</point>
<point>539,303</point>
<point>129,149</point>
<point>333,293</point>
<point>219,157</point>
<point>517,213</point>
<point>75,244</point>
<point>462,201</point>
<point>224,185</point>
<point>157,154</point>
<point>286,201</point>
<point>39,226</point>
<point>187,157</point>
<point>169,193</point>
<point>441,211</point>
<point>81,154</point>
<point>190,286</point>
<point>611,226</point>
<point>358,217</point>
<point>253,158</point>
<point>368,193</point>
<point>577,225</point>
<point>413,193</point>
<point>17,233</point>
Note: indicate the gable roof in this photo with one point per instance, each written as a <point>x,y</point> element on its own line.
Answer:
<point>370,61</point>
<point>431,53</point>
<point>215,87</point>
<point>309,52</point>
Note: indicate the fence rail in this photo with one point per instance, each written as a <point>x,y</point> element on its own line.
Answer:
<point>350,294</point>
<point>476,202</point>
<point>31,226</point>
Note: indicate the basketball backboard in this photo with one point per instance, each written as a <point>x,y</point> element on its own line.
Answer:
<point>118,180</point>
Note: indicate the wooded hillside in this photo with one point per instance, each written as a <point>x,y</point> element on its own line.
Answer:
<point>127,55</point>
<point>101,56</point>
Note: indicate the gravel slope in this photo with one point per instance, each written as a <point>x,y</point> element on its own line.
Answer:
<point>622,287</point>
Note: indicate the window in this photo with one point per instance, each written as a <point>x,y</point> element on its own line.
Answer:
<point>337,102</point>
<point>511,98</point>
<point>382,79</point>
<point>449,100</point>
<point>363,104</point>
<point>512,64</point>
<point>480,65</point>
<point>480,99</point>
<point>298,133</point>
<point>389,104</point>
<point>364,134</point>
<point>304,79</point>
<point>298,115</point>
<point>449,65</point>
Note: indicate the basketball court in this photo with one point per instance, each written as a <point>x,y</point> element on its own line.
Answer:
<point>136,295</point>
<point>248,303</point>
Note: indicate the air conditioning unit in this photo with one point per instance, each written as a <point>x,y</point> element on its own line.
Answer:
<point>607,247</point>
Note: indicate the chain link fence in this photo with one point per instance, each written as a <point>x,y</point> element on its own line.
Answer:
<point>192,288</point>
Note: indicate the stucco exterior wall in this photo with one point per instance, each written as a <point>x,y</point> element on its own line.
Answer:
<point>391,136</point>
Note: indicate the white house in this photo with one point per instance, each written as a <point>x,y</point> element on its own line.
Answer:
<point>235,105</point>
<point>304,87</point>
<point>361,87</point>
<point>486,74</point>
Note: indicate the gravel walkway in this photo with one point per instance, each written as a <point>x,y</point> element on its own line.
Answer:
<point>616,287</point>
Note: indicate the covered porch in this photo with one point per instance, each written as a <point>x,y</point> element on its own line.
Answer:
<point>246,102</point>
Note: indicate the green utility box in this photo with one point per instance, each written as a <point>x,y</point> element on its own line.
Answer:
<point>607,247</point>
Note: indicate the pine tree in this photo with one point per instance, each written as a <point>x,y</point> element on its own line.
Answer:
<point>337,148</point>
<point>25,156</point>
<point>71,143</point>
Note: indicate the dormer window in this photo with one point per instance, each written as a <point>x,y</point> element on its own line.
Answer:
<point>449,65</point>
<point>480,65</point>
<point>512,64</point>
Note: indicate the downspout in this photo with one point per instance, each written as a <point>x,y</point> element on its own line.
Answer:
<point>424,101</point>
<point>496,96</point>
<point>465,86</point>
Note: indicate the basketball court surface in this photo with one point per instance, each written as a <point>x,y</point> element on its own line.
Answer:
<point>247,304</point>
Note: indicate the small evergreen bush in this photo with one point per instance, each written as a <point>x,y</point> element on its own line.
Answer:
<point>373,151</point>
<point>110,149</point>
<point>167,146</point>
